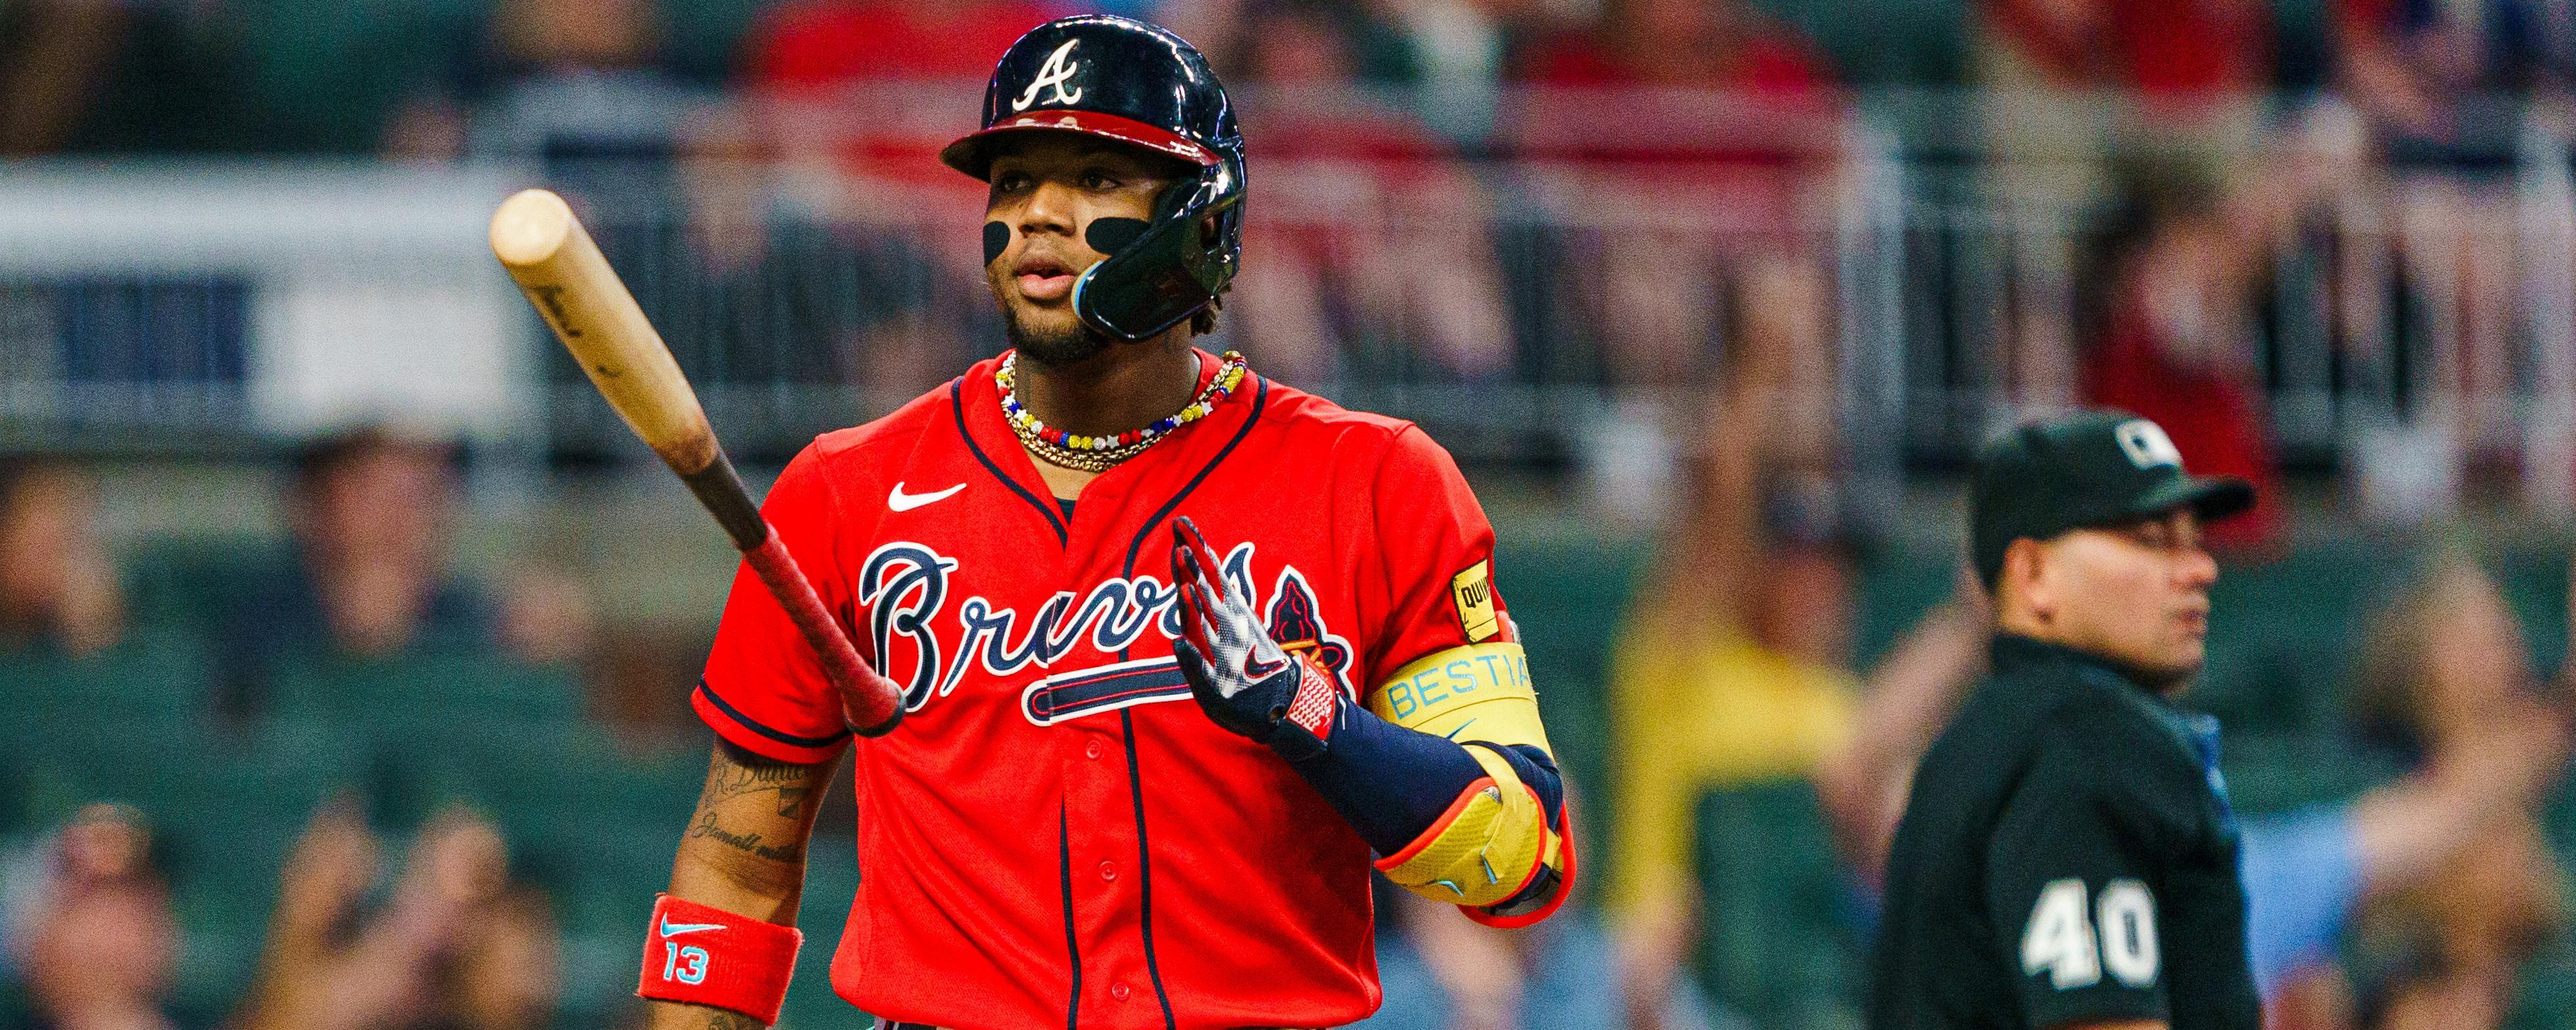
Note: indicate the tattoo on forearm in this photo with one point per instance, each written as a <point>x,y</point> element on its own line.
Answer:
<point>793,790</point>
<point>706,828</point>
<point>728,780</point>
<point>733,1021</point>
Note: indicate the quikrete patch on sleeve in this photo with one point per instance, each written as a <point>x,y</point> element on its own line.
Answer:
<point>1477,692</point>
<point>1473,592</point>
<point>704,955</point>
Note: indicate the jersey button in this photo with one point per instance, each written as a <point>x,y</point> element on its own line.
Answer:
<point>1092,750</point>
<point>1108,872</point>
<point>1118,991</point>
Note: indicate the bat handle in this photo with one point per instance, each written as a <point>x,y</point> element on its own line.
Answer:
<point>870,702</point>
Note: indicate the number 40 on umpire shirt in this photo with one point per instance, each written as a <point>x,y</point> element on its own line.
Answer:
<point>2066,856</point>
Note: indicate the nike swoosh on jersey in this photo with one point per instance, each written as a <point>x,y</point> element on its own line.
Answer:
<point>901,501</point>
<point>671,929</point>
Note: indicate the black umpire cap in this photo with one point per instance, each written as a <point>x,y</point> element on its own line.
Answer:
<point>2091,468</point>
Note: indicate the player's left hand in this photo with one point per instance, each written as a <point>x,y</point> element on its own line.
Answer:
<point>1241,677</point>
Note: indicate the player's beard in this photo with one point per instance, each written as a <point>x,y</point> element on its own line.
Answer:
<point>1054,348</point>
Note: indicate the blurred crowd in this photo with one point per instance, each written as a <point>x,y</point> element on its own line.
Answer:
<point>1475,191</point>
<point>1739,716</point>
<point>452,934</point>
<point>2157,171</point>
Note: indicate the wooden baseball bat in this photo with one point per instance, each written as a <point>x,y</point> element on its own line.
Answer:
<point>555,263</point>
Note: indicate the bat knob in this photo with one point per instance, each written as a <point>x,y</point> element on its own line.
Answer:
<point>854,704</point>
<point>531,227</point>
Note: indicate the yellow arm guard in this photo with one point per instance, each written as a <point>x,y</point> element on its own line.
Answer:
<point>1495,842</point>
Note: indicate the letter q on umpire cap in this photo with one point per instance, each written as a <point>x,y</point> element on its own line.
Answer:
<point>2091,468</point>
<point>1128,81</point>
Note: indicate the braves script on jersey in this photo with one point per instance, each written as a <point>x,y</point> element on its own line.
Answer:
<point>1057,834</point>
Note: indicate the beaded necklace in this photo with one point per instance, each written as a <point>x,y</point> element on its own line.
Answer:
<point>1100,453</point>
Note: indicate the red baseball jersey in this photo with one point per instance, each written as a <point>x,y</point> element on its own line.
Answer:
<point>1057,835</point>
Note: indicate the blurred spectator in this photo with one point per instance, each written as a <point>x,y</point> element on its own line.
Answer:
<point>372,512</point>
<point>769,288</point>
<point>2465,926</point>
<point>1697,216</point>
<point>577,83</point>
<point>56,57</point>
<point>2171,308</point>
<point>2073,87</point>
<point>455,945</point>
<point>882,86</point>
<point>1734,669</point>
<point>855,98</point>
<point>2439,84</point>
<point>121,76</point>
<point>1372,234</point>
<point>1458,52</point>
<point>2437,78</point>
<point>2176,343</point>
<point>96,947</point>
<point>57,584</point>
<point>507,973</point>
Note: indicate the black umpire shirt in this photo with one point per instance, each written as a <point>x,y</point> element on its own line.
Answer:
<point>2066,856</point>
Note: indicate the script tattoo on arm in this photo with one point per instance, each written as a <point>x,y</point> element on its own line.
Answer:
<point>758,806</point>
<point>744,850</point>
<point>744,853</point>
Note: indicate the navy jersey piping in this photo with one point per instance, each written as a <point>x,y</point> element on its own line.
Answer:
<point>1144,867</point>
<point>1072,945</point>
<point>749,723</point>
<point>957,406</point>
<point>1127,721</point>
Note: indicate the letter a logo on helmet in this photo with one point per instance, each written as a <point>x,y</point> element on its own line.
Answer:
<point>1056,72</point>
<point>1144,87</point>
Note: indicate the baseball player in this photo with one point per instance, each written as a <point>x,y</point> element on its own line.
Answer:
<point>2067,857</point>
<point>1185,651</point>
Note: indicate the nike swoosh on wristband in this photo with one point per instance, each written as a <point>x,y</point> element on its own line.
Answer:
<point>901,501</point>
<point>671,929</point>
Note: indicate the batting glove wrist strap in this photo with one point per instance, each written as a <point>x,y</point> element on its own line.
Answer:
<point>703,955</point>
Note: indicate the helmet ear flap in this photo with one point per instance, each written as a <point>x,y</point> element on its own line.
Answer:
<point>1176,267</point>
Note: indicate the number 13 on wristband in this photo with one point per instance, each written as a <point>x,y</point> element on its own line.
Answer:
<point>703,955</point>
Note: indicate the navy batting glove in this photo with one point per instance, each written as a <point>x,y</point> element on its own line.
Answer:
<point>1242,678</point>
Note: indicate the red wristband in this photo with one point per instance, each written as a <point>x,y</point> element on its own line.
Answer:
<point>704,955</point>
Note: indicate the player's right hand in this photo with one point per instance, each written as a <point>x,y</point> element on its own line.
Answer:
<point>1243,679</point>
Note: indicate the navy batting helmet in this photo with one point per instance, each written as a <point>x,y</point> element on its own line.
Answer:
<point>1141,85</point>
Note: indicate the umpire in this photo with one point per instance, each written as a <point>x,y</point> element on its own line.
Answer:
<point>2067,857</point>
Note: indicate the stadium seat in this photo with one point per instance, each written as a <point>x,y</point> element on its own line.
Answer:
<point>152,674</point>
<point>1895,588</point>
<point>191,581</point>
<point>443,693</point>
<point>2270,773</point>
<point>2280,635</point>
<point>1780,916</point>
<point>224,817</point>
